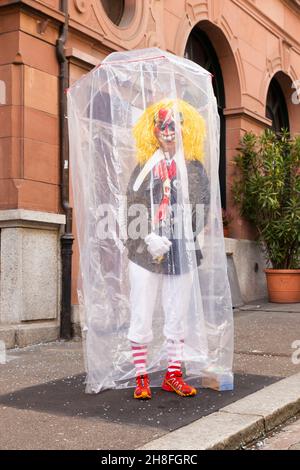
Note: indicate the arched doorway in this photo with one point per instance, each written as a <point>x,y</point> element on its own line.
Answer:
<point>199,49</point>
<point>276,107</point>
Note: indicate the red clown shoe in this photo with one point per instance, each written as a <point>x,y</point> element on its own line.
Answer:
<point>173,382</point>
<point>142,390</point>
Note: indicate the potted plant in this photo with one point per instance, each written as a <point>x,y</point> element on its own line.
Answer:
<point>267,190</point>
<point>227,219</point>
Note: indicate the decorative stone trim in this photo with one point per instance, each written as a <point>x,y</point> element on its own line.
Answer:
<point>89,17</point>
<point>80,5</point>
<point>131,17</point>
<point>252,10</point>
<point>25,218</point>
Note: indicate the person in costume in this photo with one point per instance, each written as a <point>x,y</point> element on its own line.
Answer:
<point>161,258</point>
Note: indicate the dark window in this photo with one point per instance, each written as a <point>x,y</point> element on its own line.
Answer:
<point>114,9</point>
<point>276,108</point>
<point>200,50</point>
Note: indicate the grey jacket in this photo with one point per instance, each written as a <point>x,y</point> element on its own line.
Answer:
<point>178,260</point>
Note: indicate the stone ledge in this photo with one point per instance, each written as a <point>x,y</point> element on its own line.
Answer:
<point>21,217</point>
<point>8,336</point>
<point>36,333</point>
<point>22,335</point>
<point>74,53</point>
<point>244,112</point>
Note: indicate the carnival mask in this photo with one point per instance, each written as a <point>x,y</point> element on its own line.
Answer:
<point>165,128</point>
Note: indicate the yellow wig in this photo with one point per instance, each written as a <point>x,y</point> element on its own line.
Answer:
<point>193,130</point>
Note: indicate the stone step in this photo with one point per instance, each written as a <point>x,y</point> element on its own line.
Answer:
<point>26,334</point>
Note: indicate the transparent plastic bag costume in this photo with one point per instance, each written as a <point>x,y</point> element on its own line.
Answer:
<point>115,166</point>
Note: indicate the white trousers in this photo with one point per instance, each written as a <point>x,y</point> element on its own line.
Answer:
<point>176,291</point>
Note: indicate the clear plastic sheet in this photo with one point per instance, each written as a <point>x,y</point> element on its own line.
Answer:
<point>121,197</point>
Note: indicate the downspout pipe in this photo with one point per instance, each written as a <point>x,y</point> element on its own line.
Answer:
<point>67,238</point>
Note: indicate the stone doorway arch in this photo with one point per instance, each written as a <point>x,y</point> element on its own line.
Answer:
<point>288,88</point>
<point>207,45</point>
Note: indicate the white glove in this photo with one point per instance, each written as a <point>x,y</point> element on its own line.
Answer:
<point>156,245</point>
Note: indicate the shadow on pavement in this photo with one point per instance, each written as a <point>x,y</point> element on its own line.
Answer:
<point>165,410</point>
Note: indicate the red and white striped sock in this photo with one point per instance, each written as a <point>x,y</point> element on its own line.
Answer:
<point>175,355</point>
<point>139,353</point>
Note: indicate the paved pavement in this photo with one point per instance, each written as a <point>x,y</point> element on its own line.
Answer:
<point>264,337</point>
<point>43,404</point>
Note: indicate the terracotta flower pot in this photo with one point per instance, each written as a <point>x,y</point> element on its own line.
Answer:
<point>283,285</point>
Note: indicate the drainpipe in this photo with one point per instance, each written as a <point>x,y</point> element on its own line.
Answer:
<point>67,238</point>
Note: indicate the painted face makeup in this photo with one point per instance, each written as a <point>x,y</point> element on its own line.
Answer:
<point>165,129</point>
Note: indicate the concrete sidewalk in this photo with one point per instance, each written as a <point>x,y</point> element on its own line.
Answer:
<point>43,404</point>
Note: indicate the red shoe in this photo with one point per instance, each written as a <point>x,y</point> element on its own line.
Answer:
<point>142,390</point>
<point>173,382</point>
